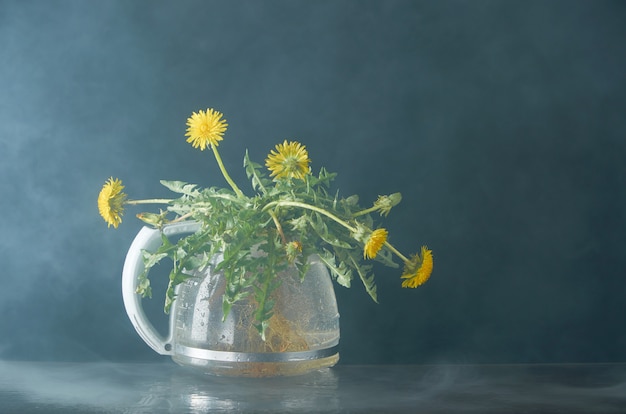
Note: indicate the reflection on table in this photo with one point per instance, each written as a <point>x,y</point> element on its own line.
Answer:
<point>155,388</point>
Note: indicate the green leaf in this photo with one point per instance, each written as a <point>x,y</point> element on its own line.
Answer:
<point>151,259</point>
<point>170,295</point>
<point>262,328</point>
<point>385,257</point>
<point>340,272</point>
<point>259,182</point>
<point>229,300</point>
<point>236,287</point>
<point>181,187</point>
<point>326,177</point>
<point>303,269</point>
<point>143,288</point>
<point>319,225</point>
<point>368,282</point>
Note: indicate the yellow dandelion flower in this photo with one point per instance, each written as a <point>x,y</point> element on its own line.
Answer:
<point>375,243</point>
<point>417,270</point>
<point>205,128</point>
<point>290,160</point>
<point>111,202</point>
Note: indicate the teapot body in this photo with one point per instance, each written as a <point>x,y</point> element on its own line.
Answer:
<point>302,335</point>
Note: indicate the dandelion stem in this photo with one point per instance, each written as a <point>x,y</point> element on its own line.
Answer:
<point>279,228</point>
<point>150,201</point>
<point>394,250</point>
<point>230,181</point>
<point>331,216</point>
<point>181,218</point>
<point>312,208</point>
<point>366,211</point>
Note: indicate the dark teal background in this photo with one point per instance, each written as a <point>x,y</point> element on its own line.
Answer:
<point>501,122</point>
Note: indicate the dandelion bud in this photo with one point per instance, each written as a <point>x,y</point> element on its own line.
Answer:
<point>386,202</point>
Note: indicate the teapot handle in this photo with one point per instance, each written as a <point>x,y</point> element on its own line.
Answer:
<point>147,239</point>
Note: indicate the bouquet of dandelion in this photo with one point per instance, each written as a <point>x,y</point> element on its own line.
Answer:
<point>288,216</point>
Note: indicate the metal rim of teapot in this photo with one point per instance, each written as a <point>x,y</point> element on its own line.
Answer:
<point>229,356</point>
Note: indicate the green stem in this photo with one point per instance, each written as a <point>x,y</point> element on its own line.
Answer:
<point>149,201</point>
<point>394,250</point>
<point>331,216</point>
<point>264,291</point>
<point>181,218</point>
<point>366,211</point>
<point>225,173</point>
<point>279,228</point>
<point>312,208</point>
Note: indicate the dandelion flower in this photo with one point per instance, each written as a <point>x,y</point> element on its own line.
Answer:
<point>374,243</point>
<point>289,160</point>
<point>417,270</point>
<point>111,202</point>
<point>205,128</point>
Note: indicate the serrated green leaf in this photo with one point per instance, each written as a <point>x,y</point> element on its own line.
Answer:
<point>368,282</point>
<point>143,288</point>
<point>385,257</point>
<point>170,295</point>
<point>259,182</point>
<point>151,259</point>
<point>181,187</point>
<point>319,225</point>
<point>340,272</point>
<point>326,177</point>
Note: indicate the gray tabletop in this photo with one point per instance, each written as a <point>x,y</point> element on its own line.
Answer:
<point>167,388</point>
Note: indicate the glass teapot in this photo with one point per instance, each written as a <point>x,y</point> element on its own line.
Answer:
<point>303,333</point>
